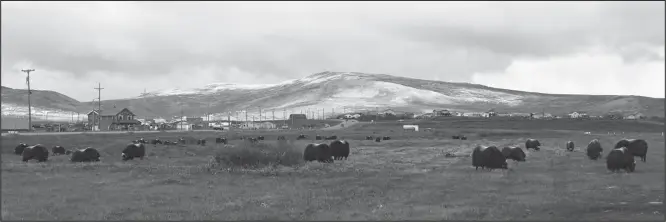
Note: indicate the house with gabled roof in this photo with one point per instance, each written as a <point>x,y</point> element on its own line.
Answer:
<point>113,119</point>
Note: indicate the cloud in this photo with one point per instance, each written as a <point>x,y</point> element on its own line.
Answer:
<point>130,46</point>
<point>596,72</point>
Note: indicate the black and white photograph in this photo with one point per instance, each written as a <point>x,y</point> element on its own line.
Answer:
<point>332,110</point>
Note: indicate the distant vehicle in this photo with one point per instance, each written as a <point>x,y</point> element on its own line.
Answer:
<point>218,128</point>
<point>401,120</point>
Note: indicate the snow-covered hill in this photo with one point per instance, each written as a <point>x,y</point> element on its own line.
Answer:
<point>334,92</point>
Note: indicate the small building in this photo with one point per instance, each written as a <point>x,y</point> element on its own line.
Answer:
<point>113,119</point>
<point>297,116</point>
<point>183,125</point>
<point>442,112</point>
<point>265,125</point>
<point>11,123</point>
<point>578,115</point>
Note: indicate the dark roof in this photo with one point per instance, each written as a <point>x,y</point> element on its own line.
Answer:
<point>131,121</point>
<point>113,110</point>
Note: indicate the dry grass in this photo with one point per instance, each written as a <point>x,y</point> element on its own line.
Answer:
<point>406,178</point>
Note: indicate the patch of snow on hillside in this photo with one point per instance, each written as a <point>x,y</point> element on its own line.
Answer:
<point>39,113</point>
<point>482,95</point>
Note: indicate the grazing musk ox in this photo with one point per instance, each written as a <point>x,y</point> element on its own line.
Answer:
<point>514,153</point>
<point>594,149</point>
<point>37,152</point>
<point>386,138</point>
<point>18,150</point>
<point>87,154</point>
<point>532,143</point>
<point>488,157</point>
<point>301,137</point>
<point>637,147</point>
<point>620,158</point>
<point>201,142</point>
<point>58,150</point>
<point>570,146</point>
<point>340,149</point>
<point>378,139</point>
<point>318,137</point>
<point>281,138</point>
<point>221,140</point>
<point>133,150</point>
<point>368,138</point>
<point>320,152</point>
<point>155,141</point>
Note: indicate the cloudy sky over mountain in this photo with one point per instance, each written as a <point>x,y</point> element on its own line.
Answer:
<point>551,47</point>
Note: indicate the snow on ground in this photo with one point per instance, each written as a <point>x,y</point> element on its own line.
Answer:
<point>39,113</point>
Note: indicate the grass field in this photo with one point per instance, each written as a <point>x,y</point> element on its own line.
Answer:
<point>408,177</point>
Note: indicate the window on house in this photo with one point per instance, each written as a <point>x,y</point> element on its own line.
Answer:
<point>130,117</point>
<point>120,117</point>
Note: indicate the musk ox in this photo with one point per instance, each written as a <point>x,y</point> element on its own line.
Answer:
<point>19,148</point>
<point>318,137</point>
<point>532,143</point>
<point>620,158</point>
<point>67,152</point>
<point>58,150</point>
<point>301,137</point>
<point>37,152</point>
<point>281,138</point>
<point>340,149</point>
<point>463,138</point>
<point>201,142</point>
<point>182,141</point>
<point>260,138</point>
<point>133,150</point>
<point>455,137</point>
<point>488,157</point>
<point>155,141</point>
<point>378,139</point>
<point>386,138</point>
<point>514,153</point>
<point>637,147</point>
<point>143,141</point>
<point>594,149</point>
<point>369,138</point>
<point>88,154</point>
<point>320,152</point>
<point>570,146</point>
<point>221,140</point>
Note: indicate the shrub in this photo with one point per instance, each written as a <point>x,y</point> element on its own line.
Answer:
<point>248,155</point>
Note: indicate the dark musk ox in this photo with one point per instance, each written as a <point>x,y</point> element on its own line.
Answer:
<point>620,158</point>
<point>514,153</point>
<point>320,152</point>
<point>58,150</point>
<point>156,141</point>
<point>221,140</point>
<point>87,154</point>
<point>488,157</point>
<point>463,137</point>
<point>318,137</point>
<point>386,138</point>
<point>260,138</point>
<point>340,149</point>
<point>455,137</point>
<point>201,142</point>
<point>637,147</point>
<point>133,150</point>
<point>570,146</point>
<point>378,139</point>
<point>532,144</point>
<point>38,152</point>
<point>281,138</point>
<point>594,149</point>
<point>369,138</point>
<point>301,137</point>
<point>18,150</point>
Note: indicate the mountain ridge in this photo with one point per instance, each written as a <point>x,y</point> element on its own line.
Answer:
<point>331,91</point>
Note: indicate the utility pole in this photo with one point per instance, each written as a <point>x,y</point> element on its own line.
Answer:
<point>377,114</point>
<point>273,115</point>
<point>99,104</point>
<point>27,81</point>
<point>259,114</point>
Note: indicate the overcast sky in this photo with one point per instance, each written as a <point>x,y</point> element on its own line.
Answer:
<point>551,47</point>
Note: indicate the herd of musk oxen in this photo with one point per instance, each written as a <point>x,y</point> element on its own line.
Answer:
<point>621,157</point>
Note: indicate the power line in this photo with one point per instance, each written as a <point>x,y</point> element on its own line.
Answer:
<point>27,81</point>
<point>99,104</point>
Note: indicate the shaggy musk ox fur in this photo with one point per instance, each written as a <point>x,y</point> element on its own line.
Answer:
<point>386,138</point>
<point>620,158</point>
<point>19,149</point>
<point>58,150</point>
<point>155,141</point>
<point>37,152</point>
<point>319,152</point>
<point>637,147</point>
<point>201,142</point>
<point>594,149</point>
<point>488,157</point>
<point>514,153</point>
<point>301,137</point>
<point>368,138</point>
<point>133,150</point>
<point>378,139</point>
<point>340,149</point>
<point>570,146</point>
<point>221,140</point>
<point>281,138</point>
<point>88,154</point>
<point>532,143</point>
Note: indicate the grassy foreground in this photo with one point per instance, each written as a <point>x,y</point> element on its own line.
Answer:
<point>405,178</point>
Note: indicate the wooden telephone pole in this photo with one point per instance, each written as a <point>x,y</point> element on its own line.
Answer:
<point>27,81</point>
<point>99,105</point>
